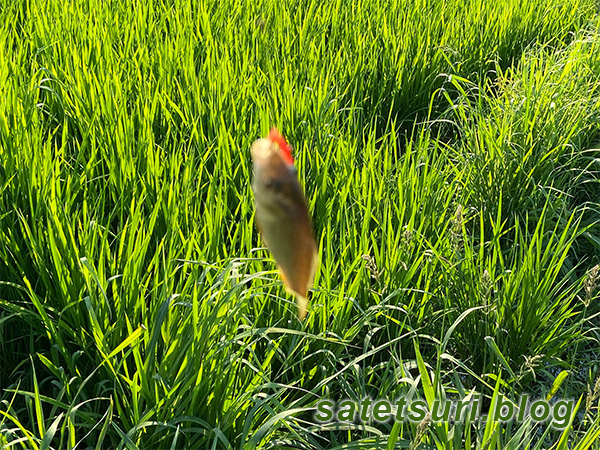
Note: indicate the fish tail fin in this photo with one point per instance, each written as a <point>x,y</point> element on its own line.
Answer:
<point>302,303</point>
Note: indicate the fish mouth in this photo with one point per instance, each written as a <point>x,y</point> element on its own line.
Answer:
<point>262,150</point>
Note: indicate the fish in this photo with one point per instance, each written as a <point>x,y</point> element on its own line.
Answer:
<point>282,215</point>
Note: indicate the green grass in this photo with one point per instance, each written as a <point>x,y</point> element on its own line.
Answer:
<point>450,155</point>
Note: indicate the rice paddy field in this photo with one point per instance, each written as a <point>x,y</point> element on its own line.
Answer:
<point>450,155</point>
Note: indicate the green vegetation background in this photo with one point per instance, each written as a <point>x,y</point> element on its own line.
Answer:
<point>449,152</point>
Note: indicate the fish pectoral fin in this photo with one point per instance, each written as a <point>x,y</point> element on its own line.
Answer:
<point>286,283</point>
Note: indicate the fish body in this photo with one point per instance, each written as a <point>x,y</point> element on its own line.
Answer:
<point>282,216</point>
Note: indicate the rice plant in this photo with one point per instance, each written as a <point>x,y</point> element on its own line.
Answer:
<point>449,155</point>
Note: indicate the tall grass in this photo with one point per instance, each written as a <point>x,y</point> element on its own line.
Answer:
<point>137,307</point>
